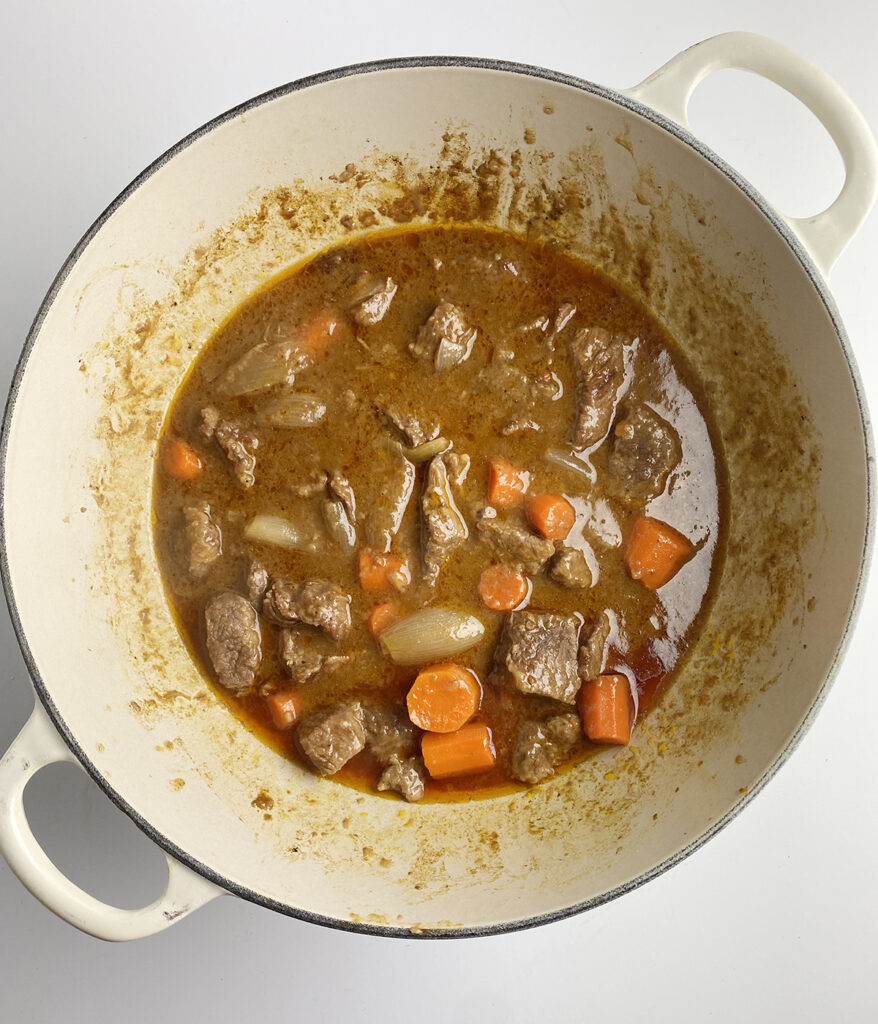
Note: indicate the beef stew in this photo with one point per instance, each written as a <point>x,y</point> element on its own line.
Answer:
<point>445,461</point>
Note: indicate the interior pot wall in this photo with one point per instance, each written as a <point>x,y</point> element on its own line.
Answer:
<point>252,196</point>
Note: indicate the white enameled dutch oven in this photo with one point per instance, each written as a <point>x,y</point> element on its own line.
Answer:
<point>617,178</point>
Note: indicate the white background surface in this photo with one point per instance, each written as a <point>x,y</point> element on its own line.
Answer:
<point>777,917</point>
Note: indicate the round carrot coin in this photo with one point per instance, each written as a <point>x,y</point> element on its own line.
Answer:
<point>443,698</point>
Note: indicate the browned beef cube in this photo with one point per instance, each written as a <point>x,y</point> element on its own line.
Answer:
<point>329,739</point>
<point>570,568</point>
<point>444,528</point>
<point>592,651</point>
<point>300,654</point>
<point>315,603</point>
<point>537,654</point>
<point>389,732</point>
<point>234,643</point>
<point>541,746</point>
<point>396,481</point>
<point>416,428</point>
<point>645,451</point>
<point>404,777</point>
<point>204,538</point>
<point>238,444</point>
<point>515,544</point>
<point>340,488</point>
<point>445,339</point>
<point>599,364</point>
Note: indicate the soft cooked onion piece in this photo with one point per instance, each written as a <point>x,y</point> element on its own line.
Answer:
<point>430,634</point>
<point>291,409</point>
<point>571,462</point>
<point>424,452</point>
<point>277,531</point>
<point>262,366</point>
<point>420,453</point>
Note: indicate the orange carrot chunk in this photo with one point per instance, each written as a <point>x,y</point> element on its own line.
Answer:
<point>656,552</point>
<point>465,752</point>
<point>444,698</point>
<point>283,708</point>
<point>319,333</point>
<point>507,484</point>
<point>382,616</point>
<point>180,461</point>
<point>551,515</point>
<point>502,587</point>
<point>605,709</point>
<point>381,572</point>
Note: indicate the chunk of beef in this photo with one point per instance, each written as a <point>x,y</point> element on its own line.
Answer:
<point>395,477</point>
<point>203,536</point>
<point>515,545</point>
<point>234,643</point>
<point>599,364</point>
<point>238,444</point>
<point>593,650</point>
<point>329,739</point>
<point>541,746</point>
<point>340,511</point>
<point>443,527</point>
<point>338,523</point>
<point>414,427</point>
<point>570,568</point>
<point>403,777</point>
<point>340,488</point>
<point>389,732</point>
<point>537,654</point>
<point>458,466</point>
<point>314,603</point>
<point>645,451</point>
<point>446,339</point>
<point>300,654</point>
<point>371,297</point>
<point>255,581</point>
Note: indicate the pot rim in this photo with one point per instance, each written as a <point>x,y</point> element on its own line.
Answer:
<point>476,63</point>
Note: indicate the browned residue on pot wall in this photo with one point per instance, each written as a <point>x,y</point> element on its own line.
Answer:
<point>763,426</point>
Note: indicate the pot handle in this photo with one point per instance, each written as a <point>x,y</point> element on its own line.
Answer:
<point>669,89</point>
<point>37,745</point>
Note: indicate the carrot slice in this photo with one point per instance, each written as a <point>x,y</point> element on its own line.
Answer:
<point>319,333</point>
<point>507,484</point>
<point>180,461</point>
<point>469,750</point>
<point>605,709</point>
<point>381,572</point>
<point>283,708</point>
<point>382,616</point>
<point>502,587</point>
<point>444,698</point>
<point>656,552</point>
<point>551,515</point>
